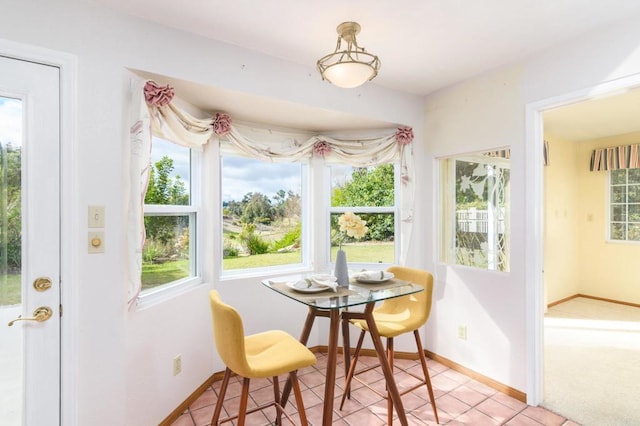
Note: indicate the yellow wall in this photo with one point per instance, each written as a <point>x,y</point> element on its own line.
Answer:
<point>561,267</point>
<point>578,257</point>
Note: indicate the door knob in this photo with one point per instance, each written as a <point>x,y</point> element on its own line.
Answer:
<point>41,314</point>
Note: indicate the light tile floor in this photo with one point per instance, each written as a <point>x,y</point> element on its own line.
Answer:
<point>460,400</point>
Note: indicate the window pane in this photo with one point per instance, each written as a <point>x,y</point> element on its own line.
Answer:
<point>362,190</point>
<point>633,194</point>
<point>362,187</point>
<point>634,175</point>
<point>618,194</point>
<point>475,211</point>
<point>634,232</point>
<point>618,177</point>
<point>377,245</point>
<point>618,213</point>
<point>169,179</point>
<point>166,255</point>
<point>634,212</point>
<point>625,205</point>
<point>262,213</point>
<point>11,134</point>
<point>618,231</point>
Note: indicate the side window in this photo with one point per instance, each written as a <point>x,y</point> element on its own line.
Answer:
<point>624,201</point>
<point>262,213</point>
<point>370,193</point>
<point>475,211</point>
<point>170,218</point>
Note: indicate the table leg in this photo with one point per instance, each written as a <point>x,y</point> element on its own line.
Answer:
<point>346,347</point>
<point>304,338</point>
<point>332,358</point>
<point>384,363</point>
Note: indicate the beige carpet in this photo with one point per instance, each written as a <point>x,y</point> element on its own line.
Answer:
<point>592,362</point>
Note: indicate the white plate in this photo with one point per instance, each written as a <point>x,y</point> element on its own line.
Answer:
<point>369,277</point>
<point>307,287</point>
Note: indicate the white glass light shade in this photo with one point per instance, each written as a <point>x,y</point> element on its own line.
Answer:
<point>349,74</point>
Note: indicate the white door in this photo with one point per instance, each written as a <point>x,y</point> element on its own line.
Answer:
<point>29,243</point>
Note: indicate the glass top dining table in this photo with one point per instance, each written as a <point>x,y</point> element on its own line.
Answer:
<point>357,293</point>
<point>336,305</point>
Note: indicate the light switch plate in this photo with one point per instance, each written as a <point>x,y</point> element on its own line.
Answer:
<point>96,217</point>
<point>96,242</point>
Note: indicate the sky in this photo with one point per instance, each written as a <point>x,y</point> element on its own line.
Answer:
<point>239,175</point>
<point>243,175</point>
<point>11,121</point>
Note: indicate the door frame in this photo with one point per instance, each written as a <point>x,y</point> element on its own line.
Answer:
<point>67,64</point>
<point>534,225</point>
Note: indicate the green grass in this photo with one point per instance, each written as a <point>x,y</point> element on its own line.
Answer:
<point>261,260</point>
<point>155,274</point>
<point>365,253</point>
<point>10,291</point>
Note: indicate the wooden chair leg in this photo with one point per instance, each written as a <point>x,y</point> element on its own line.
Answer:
<point>352,368</point>
<point>223,391</point>
<point>427,379</point>
<point>244,397</point>
<point>346,350</point>
<point>277,400</point>
<point>390,356</point>
<point>298,394</point>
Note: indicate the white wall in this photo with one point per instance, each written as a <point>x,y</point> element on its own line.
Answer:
<point>123,374</point>
<point>487,112</point>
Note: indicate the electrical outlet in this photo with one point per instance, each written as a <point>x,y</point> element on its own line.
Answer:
<point>462,332</point>
<point>177,365</point>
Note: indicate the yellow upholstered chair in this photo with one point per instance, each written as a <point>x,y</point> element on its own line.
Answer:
<point>395,317</point>
<point>262,355</point>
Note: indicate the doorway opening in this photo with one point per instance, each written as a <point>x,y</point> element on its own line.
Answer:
<point>554,119</point>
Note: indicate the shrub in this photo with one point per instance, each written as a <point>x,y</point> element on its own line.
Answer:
<point>153,250</point>
<point>256,245</point>
<point>291,238</point>
<point>230,250</point>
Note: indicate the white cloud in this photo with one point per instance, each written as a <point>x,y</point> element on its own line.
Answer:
<point>243,175</point>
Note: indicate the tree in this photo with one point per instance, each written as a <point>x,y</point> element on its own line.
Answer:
<point>11,183</point>
<point>164,189</point>
<point>258,209</point>
<point>370,187</point>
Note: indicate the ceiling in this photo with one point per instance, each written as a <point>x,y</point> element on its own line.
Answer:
<point>616,114</point>
<point>424,45</point>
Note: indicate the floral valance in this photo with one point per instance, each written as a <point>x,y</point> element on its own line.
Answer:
<point>154,112</point>
<point>616,157</point>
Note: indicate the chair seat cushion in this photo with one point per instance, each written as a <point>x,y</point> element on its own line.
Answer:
<point>273,353</point>
<point>391,324</point>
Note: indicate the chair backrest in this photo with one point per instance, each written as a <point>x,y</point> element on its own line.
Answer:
<point>417,305</point>
<point>228,333</point>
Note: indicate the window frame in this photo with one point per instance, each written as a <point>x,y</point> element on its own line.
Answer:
<point>167,290</point>
<point>316,240</point>
<point>395,210</point>
<point>626,204</point>
<point>447,216</point>
<point>306,169</point>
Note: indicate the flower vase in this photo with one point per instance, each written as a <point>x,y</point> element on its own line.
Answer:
<point>341,271</point>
